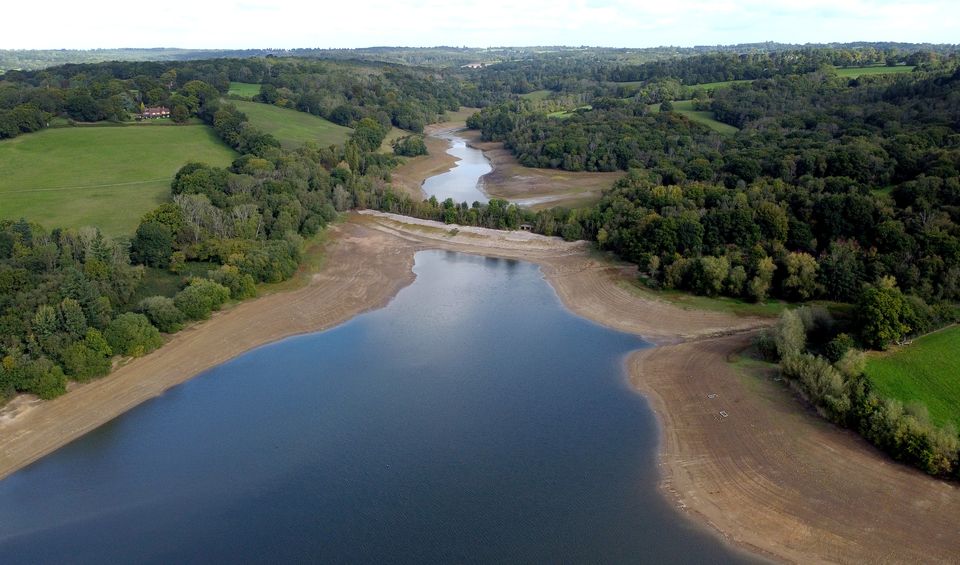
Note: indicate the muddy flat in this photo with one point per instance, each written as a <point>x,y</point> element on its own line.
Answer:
<point>742,453</point>
<point>537,188</point>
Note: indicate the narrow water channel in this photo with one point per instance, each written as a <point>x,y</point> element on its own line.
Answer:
<point>463,182</point>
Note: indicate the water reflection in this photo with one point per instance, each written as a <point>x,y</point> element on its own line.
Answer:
<point>463,182</point>
<point>473,419</point>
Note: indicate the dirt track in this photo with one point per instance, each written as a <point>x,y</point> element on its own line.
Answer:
<point>769,476</point>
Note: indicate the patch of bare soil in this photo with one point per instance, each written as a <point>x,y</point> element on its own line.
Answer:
<point>740,452</point>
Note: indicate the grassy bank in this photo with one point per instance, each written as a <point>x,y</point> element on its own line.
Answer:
<point>724,304</point>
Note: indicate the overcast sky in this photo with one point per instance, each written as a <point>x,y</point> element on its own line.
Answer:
<point>362,23</point>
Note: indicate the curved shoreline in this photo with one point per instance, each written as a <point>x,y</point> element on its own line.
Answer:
<point>508,180</point>
<point>769,478</point>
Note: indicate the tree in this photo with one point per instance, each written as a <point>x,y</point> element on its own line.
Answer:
<point>200,298</point>
<point>760,283</point>
<point>709,274</point>
<point>790,335</point>
<point>801,280</point>
<point>132,334</point>
<point>241,285</point>
<point>410,146</point>
<point>841,270</point>
<point>368,134</point>
<point>88,358</point>
<point>736,280</point>
<point>72,319</point>
<point>773,222</point>
<point>180,114</point>
<point>45,321</point>
<point>880,313</point>
<point>152,245</point>
<point>162,313</point>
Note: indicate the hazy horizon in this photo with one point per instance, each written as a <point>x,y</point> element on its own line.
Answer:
<point>256,24</point>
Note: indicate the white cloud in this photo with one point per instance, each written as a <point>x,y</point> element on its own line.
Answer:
<point>358,23</point>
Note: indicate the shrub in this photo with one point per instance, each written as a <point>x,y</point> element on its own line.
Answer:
<point>132,334</point>
<point>162,313</point>
<point>241,285</point>
<point>838,346</point>
<point>790,335</point>
<point>410,146</point>
<point>200,298</point>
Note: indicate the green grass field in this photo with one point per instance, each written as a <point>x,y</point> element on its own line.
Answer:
<point>716,85</point>
<point>703,86</point>
<point>290,127</point>
<point>394,134</point>
<point>685,107</point>
<point>536,95</point>
<point>99,176</point>
<point>564,114</point>
<point>244,89</point>
<point>769,308</point>
<point>854,72</point>
<point>926,371</point>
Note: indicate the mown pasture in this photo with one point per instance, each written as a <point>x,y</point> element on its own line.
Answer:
<point>99,176</point>
<point>855,72</point>
<point>244,89</point>
<point>685,107</point>
<point>927,372</point>
<point>292,128</point>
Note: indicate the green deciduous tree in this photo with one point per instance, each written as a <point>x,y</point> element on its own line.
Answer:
<point>162,313</point>
<point>801,280</point>
<point>881,310</point>
<point>152,245</point>
<point>132,334</point>
<point>200,298</point>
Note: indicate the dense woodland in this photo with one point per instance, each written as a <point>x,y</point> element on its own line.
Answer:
<point>831,184</point>
<point>835,189</point>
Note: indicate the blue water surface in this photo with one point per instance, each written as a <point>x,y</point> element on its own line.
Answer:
<point>473,419</point>
<point>463,182</point>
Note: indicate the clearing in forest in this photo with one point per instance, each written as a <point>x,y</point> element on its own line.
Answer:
<point>685,107</point>
<point>854,72</point>
<point>290,127</point>
<point>244,89</point>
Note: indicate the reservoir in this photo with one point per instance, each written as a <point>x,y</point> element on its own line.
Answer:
<point>463,182</point>
<point>473,419</point>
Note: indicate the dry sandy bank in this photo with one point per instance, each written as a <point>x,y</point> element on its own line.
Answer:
<point>776,478</point>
